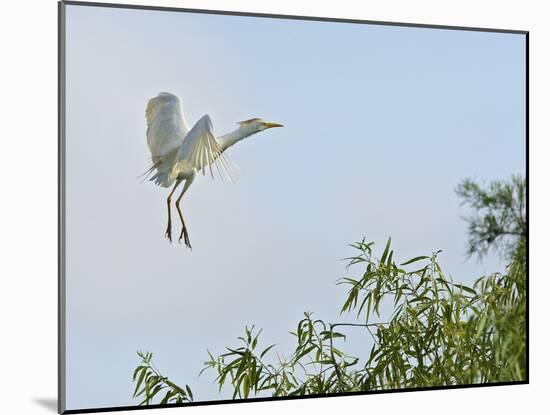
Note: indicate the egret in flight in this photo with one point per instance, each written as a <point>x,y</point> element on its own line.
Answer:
<point>179,153</point>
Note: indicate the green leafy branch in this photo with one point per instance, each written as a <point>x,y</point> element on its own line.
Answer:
<point>425,329</point>
<point>151,383</point>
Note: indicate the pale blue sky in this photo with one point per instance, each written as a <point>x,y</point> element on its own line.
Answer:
<point>381,124</point>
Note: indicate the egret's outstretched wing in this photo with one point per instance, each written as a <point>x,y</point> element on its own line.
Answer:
<point>166,126</point>
<point>201,149</point>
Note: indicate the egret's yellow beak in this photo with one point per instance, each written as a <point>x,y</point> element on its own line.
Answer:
<point>272,125</point>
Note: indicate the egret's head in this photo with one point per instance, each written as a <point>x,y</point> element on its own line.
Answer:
<point>258,124</point>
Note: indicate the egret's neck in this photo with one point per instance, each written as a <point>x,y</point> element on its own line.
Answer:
<point>229,139</point>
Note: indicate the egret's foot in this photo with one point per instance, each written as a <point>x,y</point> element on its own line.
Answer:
<point>168,233</point>
<point>185,236</point>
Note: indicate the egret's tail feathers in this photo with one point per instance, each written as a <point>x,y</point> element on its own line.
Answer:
<point>163,165</point>
<point>161,179</point>
<point>148,172</point>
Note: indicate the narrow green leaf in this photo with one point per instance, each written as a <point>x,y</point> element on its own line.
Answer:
<point>465,288</point>
<point>189,392</point>
<point>140,380</point>
<point>386,250</point>
<point>266,350</point>
<point>415,259</point>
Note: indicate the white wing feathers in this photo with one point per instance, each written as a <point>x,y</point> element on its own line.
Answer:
<point>177,151</point>
<point>201,149</point>
<point>166,126</point>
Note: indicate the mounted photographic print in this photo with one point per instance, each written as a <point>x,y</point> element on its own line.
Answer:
<point>259,207</point>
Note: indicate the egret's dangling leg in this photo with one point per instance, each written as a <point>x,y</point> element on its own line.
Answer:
<point>183,233</point>
<point>168,233</point>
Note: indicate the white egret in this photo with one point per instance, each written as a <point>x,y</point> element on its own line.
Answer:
<point>178,153</point>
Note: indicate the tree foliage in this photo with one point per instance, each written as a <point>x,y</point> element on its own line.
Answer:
<point>150,384</point>
<point>499,221</point>
<point>425,329</point>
